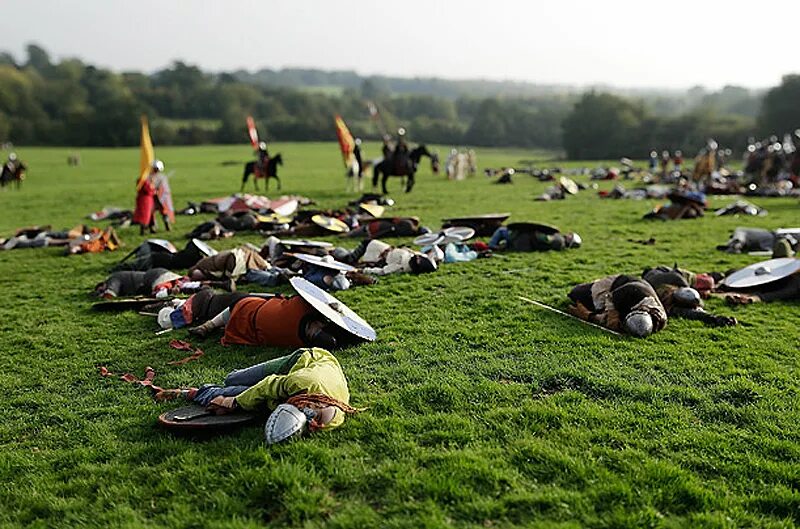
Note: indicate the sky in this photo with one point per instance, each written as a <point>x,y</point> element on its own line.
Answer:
<point>623,43</point>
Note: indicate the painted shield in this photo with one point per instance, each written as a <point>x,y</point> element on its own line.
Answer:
<point>372,209</point>
<point>204,248</point>
<point>195,417</point>
<point>285,207</point>
<point>568,185</point>
<point>333,309</point>
<point>533,226</point>
<point>499,217</point>
<point>762,273</point>
<point>325,262</point>
<point>305,243</point>
<point>273,218</point>
<point>330,223</point>
<point>445,236</point>
<point>162,244</point>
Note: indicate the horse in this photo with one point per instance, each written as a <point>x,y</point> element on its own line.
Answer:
<point>13,173</point>
<point>409,170</point>
<point>355,182</point>
<point>251,168</point>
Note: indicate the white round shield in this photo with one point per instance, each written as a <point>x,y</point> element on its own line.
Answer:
<point>333,309</point>
<point>762,273</point>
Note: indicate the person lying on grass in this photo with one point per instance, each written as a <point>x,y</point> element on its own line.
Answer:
<point>532,237</point>
<point>232,264</point>
<point>274,321</point>
<point>379,258</point>
<point>146,258</point>
<point>675,289</point>
<point>621,303</point>
<point>391,227</point>
<point>157,282</point>
<point>306,390</point>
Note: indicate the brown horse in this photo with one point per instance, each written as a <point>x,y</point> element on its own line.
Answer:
<point>252,168</point>
<point>408,170</point>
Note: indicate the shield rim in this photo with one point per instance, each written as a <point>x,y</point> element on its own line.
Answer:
<point>204,247</point>
<point>314,296</point>
<point>749,272</point>
<point>548,228</point>
<point>226,420</point>
<point>318,261</point>
<point>334,223</point>
<point>444,236</point>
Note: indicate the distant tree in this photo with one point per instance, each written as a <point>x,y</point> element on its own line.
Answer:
<point>602,126</point>
<point>780,111</point>
<point>38,59</point>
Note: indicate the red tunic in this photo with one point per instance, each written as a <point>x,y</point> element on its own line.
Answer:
<point>145,204</point>
<point>274,321</point>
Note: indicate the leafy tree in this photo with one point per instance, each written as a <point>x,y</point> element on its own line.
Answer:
<point>780,112</point>
<point>602,126</point>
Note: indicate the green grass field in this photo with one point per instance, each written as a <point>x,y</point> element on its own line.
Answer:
<point>484,411</point>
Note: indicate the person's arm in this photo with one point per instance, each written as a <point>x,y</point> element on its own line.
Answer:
<point>270,391</point>
<point>703,316</point>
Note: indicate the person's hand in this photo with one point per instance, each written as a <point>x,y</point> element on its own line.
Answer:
<point>734,298</point>
<point>579,311</point>
<point>725,321</point>
<point>222,405</point>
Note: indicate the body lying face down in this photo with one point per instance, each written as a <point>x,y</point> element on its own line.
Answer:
<point>620,302</point>
<point>305,391</point>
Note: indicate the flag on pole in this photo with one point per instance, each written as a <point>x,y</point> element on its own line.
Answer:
<point>146,157</point>
<point>346,141</point>
<point>252,132</point>
<point>375,115</point>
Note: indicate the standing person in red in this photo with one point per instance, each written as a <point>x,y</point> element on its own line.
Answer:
<point>144,215</point>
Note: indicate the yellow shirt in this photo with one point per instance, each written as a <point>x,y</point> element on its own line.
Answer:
<point>316,371</point>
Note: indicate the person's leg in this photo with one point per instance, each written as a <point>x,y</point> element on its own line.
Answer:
<point>356,254</point>
<point>254,374</point>
<point>205,394</point>
<point>220,320</point>
<point>265,278</point>
<point>500,234</point>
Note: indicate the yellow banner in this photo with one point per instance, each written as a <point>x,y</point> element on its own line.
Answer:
<point>146,156</point>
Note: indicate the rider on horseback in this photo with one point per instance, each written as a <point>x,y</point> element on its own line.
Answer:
<point>400,155</point>
<point>263,158</point>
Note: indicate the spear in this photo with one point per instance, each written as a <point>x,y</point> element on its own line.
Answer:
<point>553,309</point>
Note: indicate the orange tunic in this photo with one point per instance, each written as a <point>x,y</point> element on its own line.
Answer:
<point>274,321</point>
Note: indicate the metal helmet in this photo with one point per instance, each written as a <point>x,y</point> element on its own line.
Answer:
<point>164,319</point>
<point>401,131</point>
<point>12,157</point>
<point>158,165</point>
<point>286,422</point>
<point>358,141</point>
<point>639,324</point>
<point>262,146</point>
<point>573,240</point>
<point>687,297</point>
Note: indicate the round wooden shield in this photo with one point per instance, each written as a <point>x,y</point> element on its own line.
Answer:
<point>325,262</point>
<point>330,223</point>
<point>446,236</point>
<point>372,209</point>
<point>197,418</point>
<point>533,226</point>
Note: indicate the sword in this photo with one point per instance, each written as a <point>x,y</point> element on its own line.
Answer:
<point>553,309</point>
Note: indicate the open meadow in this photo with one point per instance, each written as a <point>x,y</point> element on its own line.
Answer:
<point>484,411</point>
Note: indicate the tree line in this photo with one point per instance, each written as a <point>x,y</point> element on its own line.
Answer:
<point>72,103</point>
